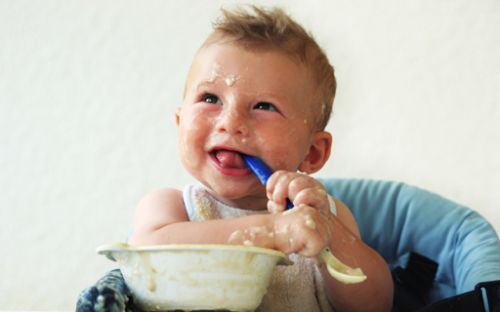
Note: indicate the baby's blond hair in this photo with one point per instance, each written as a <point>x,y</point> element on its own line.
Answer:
<point>260,28</point>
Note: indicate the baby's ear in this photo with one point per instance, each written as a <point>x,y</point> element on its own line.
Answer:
<point>318,153</point>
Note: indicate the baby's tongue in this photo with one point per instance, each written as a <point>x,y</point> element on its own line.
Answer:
<point>229,159</point>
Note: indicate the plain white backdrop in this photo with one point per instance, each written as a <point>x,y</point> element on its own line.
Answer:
<point>88,91</point>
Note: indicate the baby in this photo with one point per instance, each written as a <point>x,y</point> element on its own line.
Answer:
<point>260,85</point>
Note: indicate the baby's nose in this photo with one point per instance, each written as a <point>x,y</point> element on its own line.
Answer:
<point>233,122</point>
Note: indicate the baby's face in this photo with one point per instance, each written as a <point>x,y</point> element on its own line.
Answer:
<point>239,101</point>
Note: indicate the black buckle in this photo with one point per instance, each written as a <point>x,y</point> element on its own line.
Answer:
<point>490,295</point>
<point>484,298</point>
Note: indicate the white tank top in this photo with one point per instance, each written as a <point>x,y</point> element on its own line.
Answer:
<point>297,287</point>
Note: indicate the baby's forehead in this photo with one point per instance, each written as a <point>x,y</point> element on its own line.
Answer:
<point>231,58</point>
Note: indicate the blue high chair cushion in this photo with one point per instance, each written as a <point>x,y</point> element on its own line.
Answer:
<point>396,219</point>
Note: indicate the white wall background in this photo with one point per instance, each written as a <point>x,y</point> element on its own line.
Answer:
<point>88,90</point>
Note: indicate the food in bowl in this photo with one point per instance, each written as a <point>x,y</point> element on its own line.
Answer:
<point>195,276</point>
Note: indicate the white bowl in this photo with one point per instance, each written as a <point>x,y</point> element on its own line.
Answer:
<point>195,277</point>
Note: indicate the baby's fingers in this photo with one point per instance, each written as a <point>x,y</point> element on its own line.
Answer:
<point>274,207</point>
<point>299,188</point>
<point>277,187</point>
<point>313,197</point>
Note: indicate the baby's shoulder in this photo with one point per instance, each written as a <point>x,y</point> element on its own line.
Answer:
<point>161,204</point>
<point>162,196</point>
<point>155,210</point>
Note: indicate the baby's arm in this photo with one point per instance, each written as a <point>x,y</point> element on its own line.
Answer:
<point>161,218</point>
<point>316,227</point>
<point>376,292</point>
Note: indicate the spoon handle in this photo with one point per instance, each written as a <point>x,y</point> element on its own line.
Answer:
<point>262,171</point>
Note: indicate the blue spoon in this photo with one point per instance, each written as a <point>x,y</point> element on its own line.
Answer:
<point>262,171</point>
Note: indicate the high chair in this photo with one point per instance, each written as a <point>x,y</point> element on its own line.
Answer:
<point>450,247</point>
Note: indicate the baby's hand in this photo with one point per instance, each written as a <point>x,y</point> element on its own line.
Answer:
<point>304,230</point>
<point>299,188</point>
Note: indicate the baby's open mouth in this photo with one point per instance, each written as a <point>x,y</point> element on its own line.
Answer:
<point>228,159</point>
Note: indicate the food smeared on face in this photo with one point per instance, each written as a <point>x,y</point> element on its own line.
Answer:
<point>229,79</point>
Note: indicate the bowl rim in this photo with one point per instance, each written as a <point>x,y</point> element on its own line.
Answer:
<point>108,249</point>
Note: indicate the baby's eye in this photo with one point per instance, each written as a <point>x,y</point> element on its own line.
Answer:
<point>266,106</point>
<point>211,99</point>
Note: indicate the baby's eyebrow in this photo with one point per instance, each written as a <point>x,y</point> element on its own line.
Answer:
<point>191,87</point>
<point>273,97</point>
<point>203,83</point>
